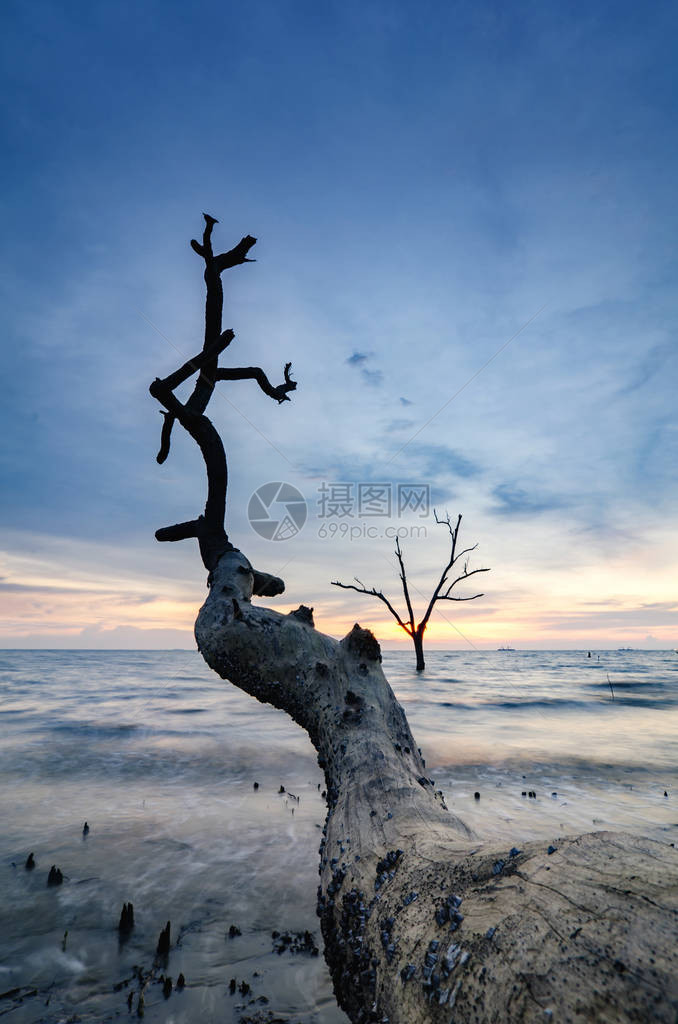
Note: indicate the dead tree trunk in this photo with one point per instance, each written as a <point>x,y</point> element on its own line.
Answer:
<point>209,528</point>
<point>418,641</point>
<point>422,923</point>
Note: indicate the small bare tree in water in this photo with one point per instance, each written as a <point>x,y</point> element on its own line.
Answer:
<point>442,592</point>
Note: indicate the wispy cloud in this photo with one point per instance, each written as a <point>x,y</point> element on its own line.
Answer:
<point>372,377</point>
<point>618,618</point>
<point>514,501</point>
<point>439,460</point>
<point>399,425</point>
<point>102,638</point>
<point>433,463</point>
<point>74,590</point>
<point>662,358</point>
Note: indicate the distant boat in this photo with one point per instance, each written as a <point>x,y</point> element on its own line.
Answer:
<point>507,648</point>
<point>626,649</point>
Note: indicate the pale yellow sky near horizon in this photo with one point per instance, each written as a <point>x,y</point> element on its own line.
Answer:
<point>83,594</point>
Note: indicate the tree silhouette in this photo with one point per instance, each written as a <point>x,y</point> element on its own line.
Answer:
<point>209,527</point>
<point>442,592</point>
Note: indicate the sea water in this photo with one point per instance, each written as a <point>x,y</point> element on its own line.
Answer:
<point>161,758</point>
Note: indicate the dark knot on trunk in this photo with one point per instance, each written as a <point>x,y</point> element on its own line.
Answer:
<point>304,614</point>
<point>362,643</point>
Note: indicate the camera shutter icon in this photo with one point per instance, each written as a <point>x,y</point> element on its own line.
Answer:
<point>277,511</point>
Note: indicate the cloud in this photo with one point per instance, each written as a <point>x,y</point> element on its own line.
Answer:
<point>435,460</point>
<point>373,377</point>
<point>36,588</point>
<point>433,464</point>
<point>658,359</point>
<point>616,618</point>
<point>42,588</point>
<point>514,501</point>
<point>99,638</point>
<point>400,425</point>
<point>405,401</point>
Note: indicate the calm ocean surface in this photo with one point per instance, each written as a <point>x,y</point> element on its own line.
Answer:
<point>160,756</point>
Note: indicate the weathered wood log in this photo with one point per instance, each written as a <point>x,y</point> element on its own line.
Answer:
<point>421,921</point>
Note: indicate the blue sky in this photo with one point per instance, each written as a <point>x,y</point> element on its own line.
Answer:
<point>426,181</point>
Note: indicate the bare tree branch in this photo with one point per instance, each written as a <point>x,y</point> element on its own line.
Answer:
<point>254,373</point>
<point>403,580</point>
<point>454,531</point>
<point>373,593</point>
<point>466,551</point>
<point>165,437</point>
<point>279,392</point>
<point>236,255</point>
<point>464,576</point>
<point>182,531</point>
<point>214,302</point>
<point>190,367</point>
<point>210,532</point>
<point>445,522</point>
<point>209,527</point>
<point>196,363</point>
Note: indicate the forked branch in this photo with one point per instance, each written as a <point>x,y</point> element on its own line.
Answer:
<point>372,592</point>
<point>280,393</point>
<point>214,303</point>
<point>209,527</point>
